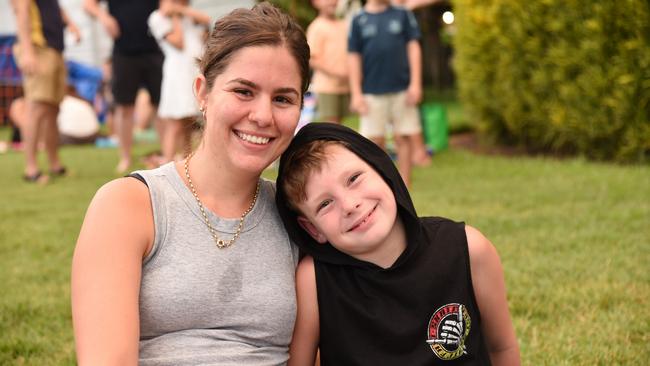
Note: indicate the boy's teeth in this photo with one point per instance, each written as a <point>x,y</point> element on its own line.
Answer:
<point>253,139</point>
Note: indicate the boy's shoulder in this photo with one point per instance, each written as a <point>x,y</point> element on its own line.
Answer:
<point>436,222</point>
<point>444,230</point>
<point>441,231</point>
<point>479,247</point>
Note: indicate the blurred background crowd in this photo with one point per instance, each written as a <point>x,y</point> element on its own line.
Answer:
<point>100,37</point>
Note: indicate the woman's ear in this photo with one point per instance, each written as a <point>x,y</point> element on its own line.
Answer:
<point>201,91</point>
<point>311,229</point>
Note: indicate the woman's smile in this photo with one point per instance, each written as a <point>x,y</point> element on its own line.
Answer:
<point>253,139</point>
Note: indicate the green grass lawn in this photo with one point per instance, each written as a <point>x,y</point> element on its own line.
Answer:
<point>574,238</point>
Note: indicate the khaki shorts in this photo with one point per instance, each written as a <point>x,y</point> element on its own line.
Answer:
<point>48,84</point>
<point>331,105</point>
<point>389,108</point>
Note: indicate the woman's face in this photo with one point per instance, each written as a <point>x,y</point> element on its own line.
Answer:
<point>252,109</point>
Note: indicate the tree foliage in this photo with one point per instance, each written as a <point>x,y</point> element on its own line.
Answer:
<point>558,75</point>
<point>301,10</point>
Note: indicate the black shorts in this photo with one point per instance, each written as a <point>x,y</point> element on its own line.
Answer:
<point>130,73</point>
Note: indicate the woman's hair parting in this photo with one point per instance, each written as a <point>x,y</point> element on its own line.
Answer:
<point>263,25</point>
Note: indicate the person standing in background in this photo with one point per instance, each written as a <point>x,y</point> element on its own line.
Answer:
<point>40,59</point>
<point>180,31</point>
<point>386,77</point>
<point>137,61</point>
<point>327,37</point>
<point>419,155</point>
<point>415,4</point>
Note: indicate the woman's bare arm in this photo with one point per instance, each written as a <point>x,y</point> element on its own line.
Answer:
<point>116,234</point>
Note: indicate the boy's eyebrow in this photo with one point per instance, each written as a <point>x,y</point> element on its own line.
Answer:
<point>316,207</point>
<point>308,201</point>
<point>343,177</point>
<point>252,85</point>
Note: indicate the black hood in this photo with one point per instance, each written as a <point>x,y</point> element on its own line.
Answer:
<point>376,158</point>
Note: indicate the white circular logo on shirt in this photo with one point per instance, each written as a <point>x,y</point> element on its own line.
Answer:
<point>448,328</point>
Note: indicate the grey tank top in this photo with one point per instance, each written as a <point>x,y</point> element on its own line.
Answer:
<point>203,305</point>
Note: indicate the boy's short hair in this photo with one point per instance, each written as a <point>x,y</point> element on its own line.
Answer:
<point>299,164</point>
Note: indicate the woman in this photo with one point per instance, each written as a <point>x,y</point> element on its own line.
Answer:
<point>193,266</point>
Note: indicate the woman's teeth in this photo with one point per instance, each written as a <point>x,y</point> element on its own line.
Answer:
<point>253,139</point>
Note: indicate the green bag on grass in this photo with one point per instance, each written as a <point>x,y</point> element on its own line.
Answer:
<point>435,126</point>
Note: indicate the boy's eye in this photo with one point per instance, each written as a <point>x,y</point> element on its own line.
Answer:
<point>322,205</point>
<point>354,177</point>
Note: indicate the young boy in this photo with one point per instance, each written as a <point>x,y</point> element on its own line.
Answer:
<point>386,78</point>
<point>380,286</point>
<point>327,38</point>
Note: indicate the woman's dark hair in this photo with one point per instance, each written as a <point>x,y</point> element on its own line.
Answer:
<point>263,25</point>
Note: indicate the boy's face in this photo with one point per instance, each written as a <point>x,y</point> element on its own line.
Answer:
<point>379,2</point>
<point>325,7</point>
<point>351,206</point>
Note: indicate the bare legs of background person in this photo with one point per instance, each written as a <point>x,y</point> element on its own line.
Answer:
<point>160,125</point>
<point>51,137</point>
<point>419,156</point>
<point>332,119</point>
<point>144,111</point>
<point>379,141</point>
<point>123,120</point>
<point>18,115</point>
<point>404,149</point>
<point>40,120</point>
<point>145,115</point>
<point>177,137</point>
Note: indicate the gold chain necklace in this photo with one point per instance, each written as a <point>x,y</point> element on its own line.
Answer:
<point>219,242</point>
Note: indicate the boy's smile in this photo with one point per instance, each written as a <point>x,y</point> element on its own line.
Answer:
<point>363,223</point>
<point>350,206</point>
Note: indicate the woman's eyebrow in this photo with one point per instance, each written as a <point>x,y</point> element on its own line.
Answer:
<point>287,90</point>
<point>257,87</point>
<point>244,82</point>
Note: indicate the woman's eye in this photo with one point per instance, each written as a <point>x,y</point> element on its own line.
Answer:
<point>284,100</point>
<point>244,92</point>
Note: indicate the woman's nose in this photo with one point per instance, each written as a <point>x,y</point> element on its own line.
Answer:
<point>262,113</point>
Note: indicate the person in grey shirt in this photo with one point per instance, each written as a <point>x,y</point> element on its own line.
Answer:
<point>189,263</point>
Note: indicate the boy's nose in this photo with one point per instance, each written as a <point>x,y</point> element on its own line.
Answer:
<point>350,205</point>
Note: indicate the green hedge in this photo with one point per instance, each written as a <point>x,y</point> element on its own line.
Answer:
<point>301,10</point>
<point>558,75</point>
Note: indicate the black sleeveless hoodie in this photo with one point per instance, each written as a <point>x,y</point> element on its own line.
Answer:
<point>420,311</point>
